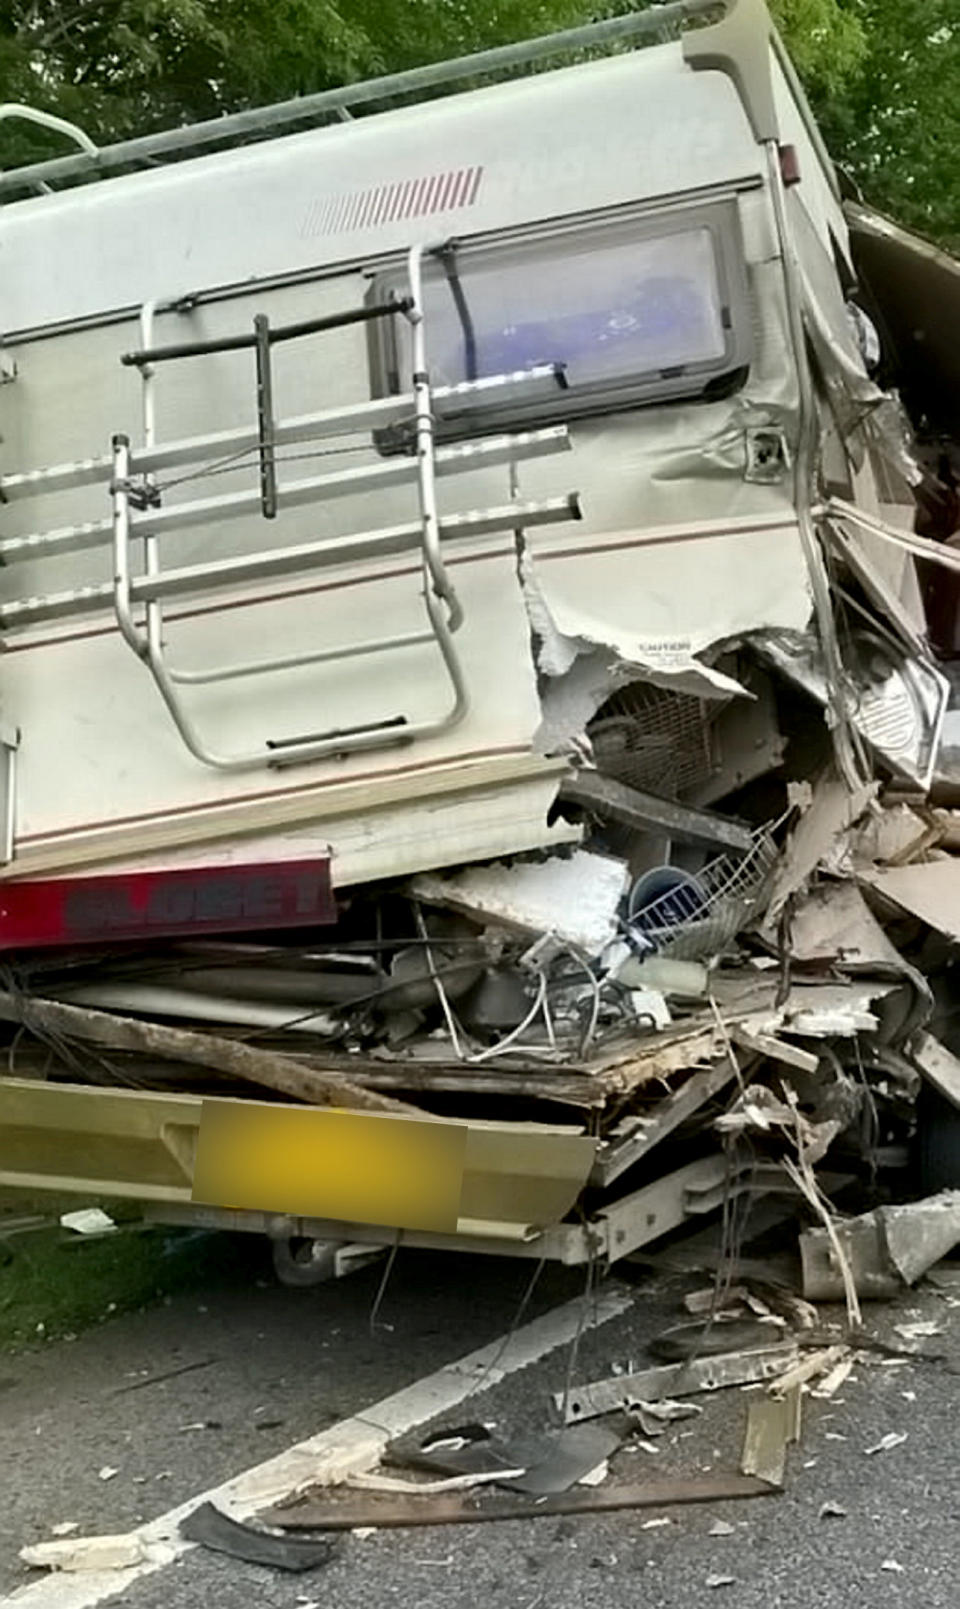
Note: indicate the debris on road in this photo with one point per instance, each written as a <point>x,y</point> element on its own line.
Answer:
<point>211,1528</point>
<point>832,1511</point>
<point>773,1422</point>
<point>893,1438</point>
<point>834,1379</point>
<point>534,1464</point>
<point>148,1379</point>
<point>885,1250</point>
<point>814,1366</point>
<point>705,1302</point>
<point>639,1390</point>
<point>331,1509</point>
<point>919,1329</point>
<point>87,1553</point>
<point>449,1483</point>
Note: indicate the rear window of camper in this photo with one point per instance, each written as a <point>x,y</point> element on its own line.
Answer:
<point>633,313</point>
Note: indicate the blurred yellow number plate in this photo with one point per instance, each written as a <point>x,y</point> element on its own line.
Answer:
<point>352,1166</point>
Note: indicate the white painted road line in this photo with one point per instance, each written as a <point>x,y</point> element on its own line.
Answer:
<point>346,1448</point>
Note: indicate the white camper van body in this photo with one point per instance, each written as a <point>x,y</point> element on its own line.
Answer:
<point>626,220</point>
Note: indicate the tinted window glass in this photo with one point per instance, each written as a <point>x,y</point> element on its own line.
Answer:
<point>624,309</point>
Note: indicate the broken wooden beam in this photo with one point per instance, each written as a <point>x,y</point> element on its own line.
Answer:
<point>263,1068</point>
<point>773,1048</point>
<point>662,1120</point>
<point>330,1509</point>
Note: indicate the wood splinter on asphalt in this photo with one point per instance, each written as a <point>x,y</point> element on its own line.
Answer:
<point>824,1362</point>
<point>327,1509</point>
<point>831,1382</point>
<point>893,1438</point>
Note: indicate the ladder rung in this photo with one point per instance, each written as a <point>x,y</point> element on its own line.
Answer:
<point>382,475</point>
<point>246,340</point>
<point>359,418</point>
<point>196,578</point>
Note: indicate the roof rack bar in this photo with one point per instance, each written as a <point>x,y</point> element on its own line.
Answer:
<point>47,120</point>
<point>266,119</point>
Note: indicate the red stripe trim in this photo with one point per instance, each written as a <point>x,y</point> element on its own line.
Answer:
<point>406,195</point>
<point>351,212</point>
<point>366,207</point>
<point>402,198</point>
<point>416,200</point>
<point>429,200</point>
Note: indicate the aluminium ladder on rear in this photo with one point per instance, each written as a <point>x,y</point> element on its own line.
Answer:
<point>137,594</point>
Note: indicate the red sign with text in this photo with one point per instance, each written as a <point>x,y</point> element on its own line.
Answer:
<point>165,904</point>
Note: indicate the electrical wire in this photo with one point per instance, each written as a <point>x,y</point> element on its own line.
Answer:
<point>586,1038</point>
<point>441,991</point>
<point>374,995</point>
<point>493,1051</point>
<point>382,1287</point>
<point>574,1352</point>
<point>248,457</point>
<point>515,1323</point>
<point>548,1021</point>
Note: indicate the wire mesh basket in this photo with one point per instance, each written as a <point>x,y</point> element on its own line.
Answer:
<point>701,914</point>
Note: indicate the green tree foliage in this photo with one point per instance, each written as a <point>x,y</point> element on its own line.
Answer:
<point>884,75</point>
<point>122,67</point>
<point>827,43</point>
<point>894,122</point>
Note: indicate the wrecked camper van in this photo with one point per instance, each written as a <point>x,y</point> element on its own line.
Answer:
<point>459,585</point>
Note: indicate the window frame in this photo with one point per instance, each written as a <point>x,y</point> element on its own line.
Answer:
<point>701,380</point>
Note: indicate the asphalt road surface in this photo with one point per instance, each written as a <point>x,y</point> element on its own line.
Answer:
<point>177,1401</point>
